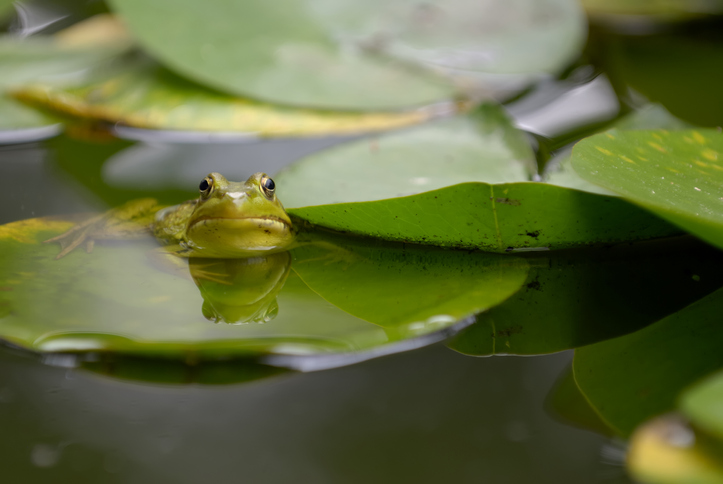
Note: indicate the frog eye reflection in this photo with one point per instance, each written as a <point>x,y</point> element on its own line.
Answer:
<point>206,185</point>
<point>268,186</point>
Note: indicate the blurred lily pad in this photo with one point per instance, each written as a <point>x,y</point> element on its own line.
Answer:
<point>666,450</point>
<point>630,379</point>
<point>20,124</point>
<point>565,302</point>
<point>703,405</point>
<point>49,59</point>
<point>123,299</point>
<point>142,94</point>
<point>351,55</point>
<point>676,175</point>
<point>681,69</point>
<point>452,183</point>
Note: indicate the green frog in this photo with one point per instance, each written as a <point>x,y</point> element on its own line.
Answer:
<point>228,220</point>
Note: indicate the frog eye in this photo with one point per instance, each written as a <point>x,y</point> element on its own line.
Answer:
<point>268,186</point>
<point>206,186</point>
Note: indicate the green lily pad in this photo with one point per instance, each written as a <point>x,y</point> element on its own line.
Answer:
<point>632,378</point>
<point>44,58</point>
<point>667,450</point>
<point>559,170</point>
<point>397,187</point>
<point>123,298</point>
<point>20,124</point>
<point>565,302</point>
<point>676,175</point>
<point>355,55</point>
<point>140,93</point>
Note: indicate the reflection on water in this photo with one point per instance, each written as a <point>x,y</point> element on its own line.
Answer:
<point>239,291</point>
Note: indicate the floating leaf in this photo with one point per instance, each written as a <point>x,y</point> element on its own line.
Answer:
<point>122,298</point>
<point>142,94</point>
<point>565,302</point>
<point>49,59</point>
<point>632,378</point>
<point>20,124</point>
<point>351,55</point>
<point>352,188</point>
<point>559,171</point>
<point>667,451</point>
<point>676,175</point>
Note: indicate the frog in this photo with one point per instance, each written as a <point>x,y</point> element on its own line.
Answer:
<point>228,220</point>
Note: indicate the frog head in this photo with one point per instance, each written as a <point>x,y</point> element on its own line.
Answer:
<point>237,219</point>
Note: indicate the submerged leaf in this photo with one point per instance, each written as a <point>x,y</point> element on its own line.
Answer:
<point>632,378</point>
<point>566,300</point>
<point>676,175</point>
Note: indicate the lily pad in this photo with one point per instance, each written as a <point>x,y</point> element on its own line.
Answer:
<point>559,170</point>
<point>397,187</point>
<point>351,55</point>
<point>140,93</point>
<point>49,59</point>
<point>630,379</point>
<point>676,175</point>
<point>20,124</point>
<point>566,300</point>
<point>122,298</point>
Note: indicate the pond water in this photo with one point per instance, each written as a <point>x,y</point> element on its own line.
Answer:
<point>118,367</point>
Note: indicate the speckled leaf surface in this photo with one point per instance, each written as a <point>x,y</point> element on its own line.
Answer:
<point>122,298</point>
<point>630,379</point>
<point>144,95</point>
<point>456,183</point>
<point>676,175</point>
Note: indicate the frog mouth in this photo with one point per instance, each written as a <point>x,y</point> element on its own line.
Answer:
<point>265,221</point>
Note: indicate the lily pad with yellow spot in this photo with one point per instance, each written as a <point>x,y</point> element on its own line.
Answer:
<point>128,298</point>
<point>678,175</point>
<point>145,95</point>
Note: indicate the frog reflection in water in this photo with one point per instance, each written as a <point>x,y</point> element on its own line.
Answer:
<point>238,291</point>
<point>235,235</point>
<point>228,220</point>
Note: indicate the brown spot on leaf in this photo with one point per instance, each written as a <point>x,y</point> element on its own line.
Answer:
<point>508,201</point>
